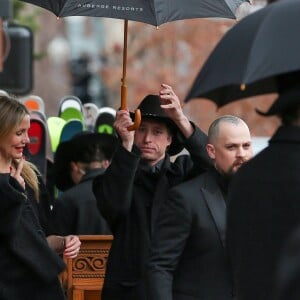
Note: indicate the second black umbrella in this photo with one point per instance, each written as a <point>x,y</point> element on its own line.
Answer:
<point>252,56</point>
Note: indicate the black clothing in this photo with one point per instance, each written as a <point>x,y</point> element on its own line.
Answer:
<point>29,267</point>
<point>288,269</point>
<point>188,260</point>
<point>130,201</point>
<point>76,212</point>
<point>263,209</point>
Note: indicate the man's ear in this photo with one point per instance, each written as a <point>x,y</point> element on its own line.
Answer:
<point>73,166</point>
<point>170,139</point>
<point>105,163</point>
<point>210,151</point>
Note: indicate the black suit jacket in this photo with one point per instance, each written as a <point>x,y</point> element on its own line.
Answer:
<point>130,201</point>
<point>187,258</point>
<point>264,208</point>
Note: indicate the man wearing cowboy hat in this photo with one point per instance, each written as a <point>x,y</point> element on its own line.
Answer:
<point>264,205</point>
<point>77,162</point>
<point>133,188</point>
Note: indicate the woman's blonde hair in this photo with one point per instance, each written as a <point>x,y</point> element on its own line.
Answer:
<point>12,113</point>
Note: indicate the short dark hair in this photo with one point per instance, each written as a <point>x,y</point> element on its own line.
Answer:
<point>169,124</point>
<point>91,152</point>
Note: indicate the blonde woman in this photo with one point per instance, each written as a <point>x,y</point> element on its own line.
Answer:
<point>29,261</point>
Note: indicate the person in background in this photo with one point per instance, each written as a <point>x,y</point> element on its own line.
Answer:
<point>264,206</point>
<point>131,191</point>
<point>29,260</point>
<point>77,162</point>
<point>188,258</point>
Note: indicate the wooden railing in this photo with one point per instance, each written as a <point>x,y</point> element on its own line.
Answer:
<point>84,276</point>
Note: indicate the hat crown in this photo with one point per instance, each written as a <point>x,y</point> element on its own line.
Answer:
<point>150,107</point>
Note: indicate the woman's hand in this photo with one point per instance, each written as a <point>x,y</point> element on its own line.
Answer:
<point>16,173</point>
<point>72,246</point>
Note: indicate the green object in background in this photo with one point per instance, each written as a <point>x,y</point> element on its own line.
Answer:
<point>55,126</point>
<point>105,128</point>
<point>72,113</point>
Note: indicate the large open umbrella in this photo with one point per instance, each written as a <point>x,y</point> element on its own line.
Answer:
<point>154,12</point>
<point>253,56</point>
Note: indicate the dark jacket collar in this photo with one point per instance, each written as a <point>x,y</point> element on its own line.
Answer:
<point>91,174</point>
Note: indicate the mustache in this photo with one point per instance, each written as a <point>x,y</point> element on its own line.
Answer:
<point>239,161</point>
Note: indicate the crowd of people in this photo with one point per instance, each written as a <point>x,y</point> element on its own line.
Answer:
<point>210,224</point>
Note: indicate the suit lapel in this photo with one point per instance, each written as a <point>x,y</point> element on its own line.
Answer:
<point>217,208</point>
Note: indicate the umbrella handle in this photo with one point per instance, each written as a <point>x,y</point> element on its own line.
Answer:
<point>137,112</point>
<point>137,120</point>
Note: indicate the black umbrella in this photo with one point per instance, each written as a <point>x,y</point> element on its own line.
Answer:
<point>253,56</point>
<point>153,12</point>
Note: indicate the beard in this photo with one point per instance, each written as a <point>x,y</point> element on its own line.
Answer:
<point>229,173</point>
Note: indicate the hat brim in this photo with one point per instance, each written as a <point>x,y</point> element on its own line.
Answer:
<point>285,101</point>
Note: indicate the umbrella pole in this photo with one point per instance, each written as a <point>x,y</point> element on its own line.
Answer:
<point>123,86</point>
<point>137,113</point>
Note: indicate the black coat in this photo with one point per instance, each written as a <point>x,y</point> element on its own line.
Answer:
<point>264,208</point>
<point>29,268</point>
<point>43,207</point>
<point>188,260</point>
<point>76,212</point>
<point>130,201</point>
<point>288,269</point>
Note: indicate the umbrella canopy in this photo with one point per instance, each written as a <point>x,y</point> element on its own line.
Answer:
<point>253,56</point>
<point>154,12</point>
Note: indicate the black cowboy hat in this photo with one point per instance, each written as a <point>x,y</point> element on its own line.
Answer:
<point>286,100</point>
<point>150,108</point>
<point>74,149</point>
